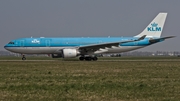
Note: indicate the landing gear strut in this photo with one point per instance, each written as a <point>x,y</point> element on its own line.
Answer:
<point>89,58</point>
<point>23,57</point>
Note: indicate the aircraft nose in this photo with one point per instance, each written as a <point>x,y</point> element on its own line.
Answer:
<point>5,47</point>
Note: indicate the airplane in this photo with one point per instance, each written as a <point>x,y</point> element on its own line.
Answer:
<point>86,48</point>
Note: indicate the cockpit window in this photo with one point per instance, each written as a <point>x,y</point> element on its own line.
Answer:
<point>11,43</point>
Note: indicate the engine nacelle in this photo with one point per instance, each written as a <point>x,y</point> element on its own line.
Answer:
<point>70,53</point>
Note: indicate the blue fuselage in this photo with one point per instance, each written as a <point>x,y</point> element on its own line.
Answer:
<point>54,45</point>
<point>73,42</point>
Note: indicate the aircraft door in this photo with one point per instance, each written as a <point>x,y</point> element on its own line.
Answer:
<point>47,43</point>
<point>22,43</point>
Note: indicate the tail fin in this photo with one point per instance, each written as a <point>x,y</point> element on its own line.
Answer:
<point>154,29</point>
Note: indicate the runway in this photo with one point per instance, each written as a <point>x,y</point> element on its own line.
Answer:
<point>160,60</point>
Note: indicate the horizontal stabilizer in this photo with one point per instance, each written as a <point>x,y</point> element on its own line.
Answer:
<point>160,39</point>
<point>167,37</point>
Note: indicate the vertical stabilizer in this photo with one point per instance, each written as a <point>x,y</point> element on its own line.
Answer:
<point>155,28</point>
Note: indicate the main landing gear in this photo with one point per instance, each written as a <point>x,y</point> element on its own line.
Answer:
<point>89,58</point>
<point>23,57</point>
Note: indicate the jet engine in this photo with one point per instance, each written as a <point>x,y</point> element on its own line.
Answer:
<point>70,53</point>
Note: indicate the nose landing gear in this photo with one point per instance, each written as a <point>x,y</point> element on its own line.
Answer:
<point>23,57</point>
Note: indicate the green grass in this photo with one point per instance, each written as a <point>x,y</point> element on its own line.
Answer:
<point>100,58</point>
<point>97,81</point>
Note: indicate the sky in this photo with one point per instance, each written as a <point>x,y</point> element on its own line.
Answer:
<point>87,18</point>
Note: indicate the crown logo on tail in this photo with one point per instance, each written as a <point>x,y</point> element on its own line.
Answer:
<point>154,27</point>
<point>154,24</point>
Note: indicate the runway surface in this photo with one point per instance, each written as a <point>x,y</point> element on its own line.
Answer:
<point>163,60</point>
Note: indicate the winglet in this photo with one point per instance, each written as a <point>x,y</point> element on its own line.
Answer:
<point>141,38</point>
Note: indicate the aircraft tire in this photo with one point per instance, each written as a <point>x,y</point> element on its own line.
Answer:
<point>88,58</point>
<point>23,58</point>
<point>81,58</point>
<point>94,58</point>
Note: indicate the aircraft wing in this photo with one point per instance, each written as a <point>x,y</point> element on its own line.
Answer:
<point>103,45</point>
<point>94,47</point>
